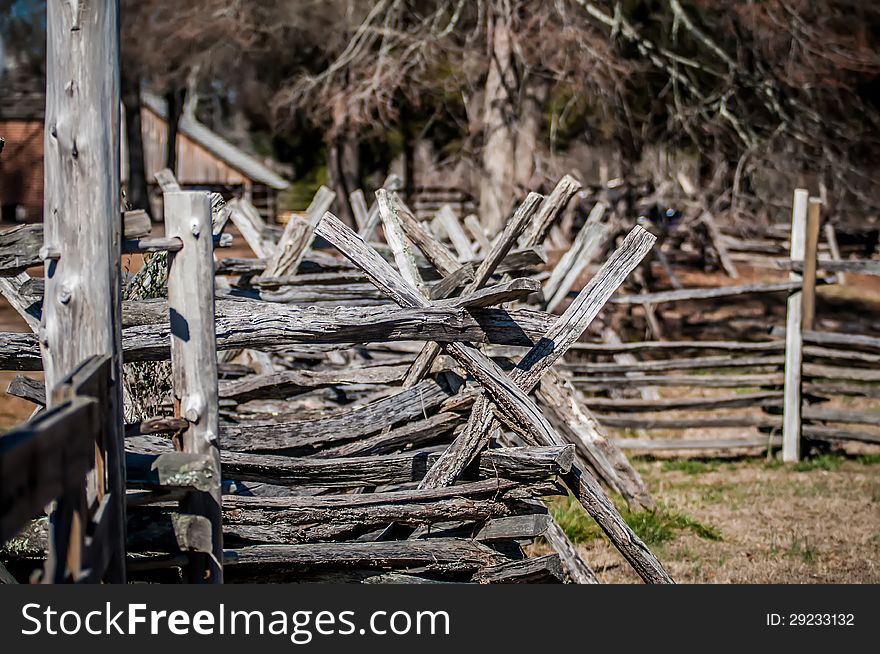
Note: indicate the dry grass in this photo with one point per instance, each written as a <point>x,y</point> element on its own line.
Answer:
<point>818,522</point>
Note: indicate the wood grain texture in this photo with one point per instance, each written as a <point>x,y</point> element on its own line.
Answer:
<point>194,359</point>
<point>83,222</point>
<point>791,430</point>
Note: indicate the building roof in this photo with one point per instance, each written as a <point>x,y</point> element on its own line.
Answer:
<point>221,148</point>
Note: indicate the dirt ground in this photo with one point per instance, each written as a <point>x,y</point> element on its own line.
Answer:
<point>753,521</point>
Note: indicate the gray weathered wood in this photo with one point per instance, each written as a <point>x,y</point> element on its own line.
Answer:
<point>550,210</point>
<point>811,244</point>
<point>462,553</point>
<point>393,211</point>
<point>539,570</point>
<point>302,325</point>
<point>83,224</point>
<point>476,229</point>
<point>20,249</point>
<point>27,307</point>
<point>32,390</point>
<point>491,259</point>
<point>252,228</point>
<point>576,258</point>
<point>289,382</point>
<point>705,381</point>
<point>298,235</point>
<point>194,357</point>
<point>519,412</point>
<point>43,459</point>
<point>791,434</point>
<point>576,423</point>
<point>578,570</point>
<point>462,244</point>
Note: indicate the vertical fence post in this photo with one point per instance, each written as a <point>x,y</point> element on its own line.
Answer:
<point>791,418</point>
<point>83,225</point>
<point>194,358</point>
<point>811,248</point>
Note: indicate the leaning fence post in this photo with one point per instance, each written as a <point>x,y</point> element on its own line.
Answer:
<point>82,244</point>
<point>811,248</point>
<point>194,359</point>
<point>791,417</point>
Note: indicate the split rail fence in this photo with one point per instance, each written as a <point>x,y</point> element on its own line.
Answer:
<point>382,402</point>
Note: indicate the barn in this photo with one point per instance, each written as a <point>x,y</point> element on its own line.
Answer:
<point>204,159</point>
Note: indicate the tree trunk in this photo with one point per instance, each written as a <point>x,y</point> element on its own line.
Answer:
<point>343,172</point>
<point>174,100</point>
<point>136,191</point>
<point>496,184</point>
<point>528,134</point>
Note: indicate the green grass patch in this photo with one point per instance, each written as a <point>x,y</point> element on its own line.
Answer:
<point>821,462</point>
<point>695,466</point>
<point>869,459</point>
<point>653,527</point>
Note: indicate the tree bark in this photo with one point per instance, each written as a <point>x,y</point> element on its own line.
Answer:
<point>528,133</point>
<point>136,191</point>
<point>343,171</point>
<point>496,184</point>
<point>174,100</point>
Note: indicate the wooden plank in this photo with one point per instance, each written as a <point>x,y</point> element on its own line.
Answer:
<point>337,427</point>
<point>791,434</point>
<point>577,258</point>
<point>568,412</point>
<point>394,211</point>
<point>290,382</point>
<point>252,228</point>
<point>391,183</point>
<point>859,267</point>
<point>410,435</point>
<point>20,249</point>
<point>491,260</point>
<point>539,570</point>
<point>848,340</point>
<point>689,294</point>
<point>136,223</point>
<point>81,196</point>
<point>698,443</point>
<point>694,363</point>
<point>578,570</point>
<point>27,307</point>
<point>644,346</point>
<point>682,404</point>
<point>455,232</point>
<point>463,553</point>
<point>32,390</point>
<point>811,244</point>
<point>44,459</point>
<point>359,208</point>
<point>549,211</point>
<point>705,381</point>
<point>318,325</point>
<point>472,223</point>
<point>167,181</point>
<point>298,235</point>
<point>831,239</point>
<point>718,243</point>
<point>523,464</point>
<point>725,422</point>
<point>194,358</point>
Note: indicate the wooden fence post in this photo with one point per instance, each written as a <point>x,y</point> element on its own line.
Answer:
<point>791,419</point>
<point>194,359</point>
<point>810,262</point>
<point>83,225</point>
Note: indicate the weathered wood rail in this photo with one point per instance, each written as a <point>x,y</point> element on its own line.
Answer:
<point>392,408</point>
